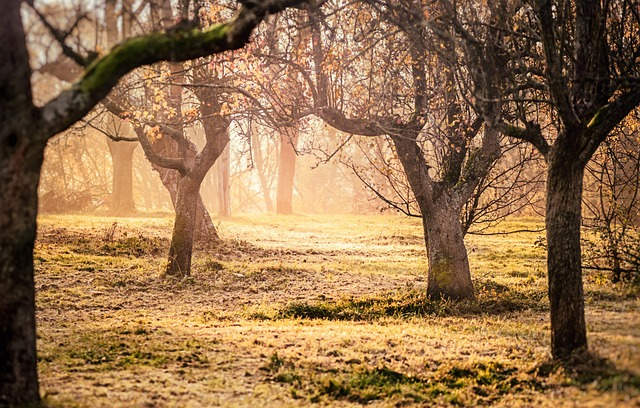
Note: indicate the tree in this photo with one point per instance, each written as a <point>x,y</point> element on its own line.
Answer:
<point>399,83</point>
<point>23,137</point>
<point>286,170</point>
<point>67,67</point>
<point>572,76</point>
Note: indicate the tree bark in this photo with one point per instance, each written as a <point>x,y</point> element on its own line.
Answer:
<point>286,171</point>
<point>21,156</point>
<point>122,182</point>
<point>563,220</point>
<point>449,272</point>
<point>181,248</point>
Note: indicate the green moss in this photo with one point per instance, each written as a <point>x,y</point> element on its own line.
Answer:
<point>597,117</point>
<point>365,385</point>
<point>441,272</point>
<point>175,45</point>
<point>112,353</point>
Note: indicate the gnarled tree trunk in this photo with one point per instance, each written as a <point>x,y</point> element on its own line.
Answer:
<point>449,273</point>
<point>122,182</point>
<point>563,219</point>
<point>183,228</point>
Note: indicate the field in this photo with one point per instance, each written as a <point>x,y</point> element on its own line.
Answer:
<point>312,310</point>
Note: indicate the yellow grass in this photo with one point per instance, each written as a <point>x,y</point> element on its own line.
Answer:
<point>112,333</point>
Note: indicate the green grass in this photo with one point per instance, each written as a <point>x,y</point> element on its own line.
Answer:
<point>301,310</point>
<point>492,298</point>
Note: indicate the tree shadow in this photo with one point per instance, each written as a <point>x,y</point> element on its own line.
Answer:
<point>587,369</point>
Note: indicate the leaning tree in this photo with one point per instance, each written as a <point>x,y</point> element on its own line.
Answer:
<point>25,130</point>
<point>389,75</point>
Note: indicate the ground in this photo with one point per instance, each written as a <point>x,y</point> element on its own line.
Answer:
<point>312,310</point>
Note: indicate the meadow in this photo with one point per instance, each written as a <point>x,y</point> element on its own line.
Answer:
<point>307,310</point>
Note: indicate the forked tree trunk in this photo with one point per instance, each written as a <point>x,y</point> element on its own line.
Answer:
<point>563,219</point>
<point>286,171</point>
<point>19,177</point>
<point>181,248</point>
<point>449,273</point>
<point>204,228</point>
<point>122,183</point>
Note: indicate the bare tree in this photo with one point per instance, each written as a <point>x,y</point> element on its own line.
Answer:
<point>572,78</point>
<point>397,82</point>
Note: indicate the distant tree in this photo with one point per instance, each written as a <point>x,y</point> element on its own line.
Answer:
<point>24,133</point>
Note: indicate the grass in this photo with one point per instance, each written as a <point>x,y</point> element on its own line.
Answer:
<point>478,383</point>
<point>312,310</point>
<point>492,298</point>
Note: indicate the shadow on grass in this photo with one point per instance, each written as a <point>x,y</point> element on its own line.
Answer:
<point>471,383</point>
<point>466,384</point>
<point>589,370</point>
<point>492,299</point>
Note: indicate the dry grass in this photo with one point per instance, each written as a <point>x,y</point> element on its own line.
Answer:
<point>311,310</point>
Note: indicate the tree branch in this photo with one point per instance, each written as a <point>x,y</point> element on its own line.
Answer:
<point>531,133</point>
<point>155,158</point>
<point>605,119</point>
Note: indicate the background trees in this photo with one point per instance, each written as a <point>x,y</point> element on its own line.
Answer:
<point>25,131</point>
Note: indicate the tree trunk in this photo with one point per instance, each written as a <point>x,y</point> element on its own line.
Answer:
<point>449,273</point>
<point>183,228</point>
<point>21,157</point>
<point>261,169</point>
<point>122,183</point>
<point>224,187</point>
<point>563,219</point>
<point>19,177</point>
<point>286,170</point>
<point>204,228</point>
